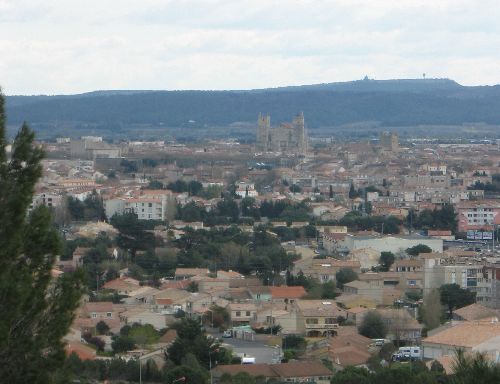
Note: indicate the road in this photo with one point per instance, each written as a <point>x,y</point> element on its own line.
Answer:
<point>259,350</point>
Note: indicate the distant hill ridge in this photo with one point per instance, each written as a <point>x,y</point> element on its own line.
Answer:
<point>403,102</point>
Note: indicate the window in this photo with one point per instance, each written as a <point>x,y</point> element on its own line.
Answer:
<point>238,314</point>
<point>247,313</point>
<point>108,314</point>
<point>150,205</point>
<point>257,296</point>
<point>311,321</point>
<point>94,315</point>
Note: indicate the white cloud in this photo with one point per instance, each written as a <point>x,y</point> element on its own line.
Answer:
<point>72,47</point>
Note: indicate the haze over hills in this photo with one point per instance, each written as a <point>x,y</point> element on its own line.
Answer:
<point>388,103</point>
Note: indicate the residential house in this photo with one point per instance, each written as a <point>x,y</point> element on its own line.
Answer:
<point>407,266</point>
<point>287,294</point>
<point>311,371</point>
<point>240,283</point>
<point>317,318</point>
<point>241,314</point>
<point>83,352</point>
<point>238,296</point>
<point>471,336</point>
<point>356,314</point>
<point>186,273</point>
<point>260,293</point>
<point>366,289</point>
<point>474,312</point>
<point>167,339</point>
<point>402,326</point>
<point>229,275</point>
<point>155,319</point>
<point>351,300</point>
<point>206,284</point>
<point>367,257</point>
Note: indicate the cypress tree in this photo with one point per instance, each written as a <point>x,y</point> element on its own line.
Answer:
<point>36,310</point>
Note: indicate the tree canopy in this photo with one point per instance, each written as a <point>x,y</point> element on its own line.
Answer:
<point>386,260</point>
<point>373,326</point>
<point>36,313</point>
<point>455,297</point>
<point>345,275</point>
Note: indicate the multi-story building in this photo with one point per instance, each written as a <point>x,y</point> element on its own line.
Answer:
<point>467,274</point>
<point>475,215</point>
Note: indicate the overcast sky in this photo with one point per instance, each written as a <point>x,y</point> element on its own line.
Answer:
<point>74,46</point>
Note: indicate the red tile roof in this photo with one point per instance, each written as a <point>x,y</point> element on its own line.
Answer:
<point>287,292</point>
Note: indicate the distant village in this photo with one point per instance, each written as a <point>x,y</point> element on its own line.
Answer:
<point>400,221</point>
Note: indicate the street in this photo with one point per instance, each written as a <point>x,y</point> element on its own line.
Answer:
<point>261,351</point>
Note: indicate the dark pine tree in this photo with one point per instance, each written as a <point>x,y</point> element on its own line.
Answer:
<point>36,311</point>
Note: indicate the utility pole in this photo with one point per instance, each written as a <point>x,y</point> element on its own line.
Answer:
<point>210,357</point>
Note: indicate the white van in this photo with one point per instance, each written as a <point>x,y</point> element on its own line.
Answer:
<point>248,360</point>
<point>227,334</point>
<point>413,352</point>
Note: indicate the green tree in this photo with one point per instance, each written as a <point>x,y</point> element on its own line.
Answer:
<point>328,290</point>
<point>122,344</point>
<point>101,327</point>
<point>294,188</point>
<point>154,185</point>
<point>36,313</point>
<point>418,249</point>
<point>132,233</point>
<point>386,260</point>
<point>144,335</point>
<point>352,192</point>
<point>473,369</point>
<point>455,297</point>
<point>373,326</point>
<point>351,375</point>
<point>345,275</point>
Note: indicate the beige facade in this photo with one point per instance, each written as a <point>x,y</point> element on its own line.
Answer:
<point>283,137</point>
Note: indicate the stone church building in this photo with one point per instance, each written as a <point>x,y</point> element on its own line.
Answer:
<point>291,139</point>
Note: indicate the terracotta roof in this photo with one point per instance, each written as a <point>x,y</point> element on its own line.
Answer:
<point>191,271</point>
<point>260,289</point>
<point>237,283</point>
<point>467,334</point>
<point>301,369</point>
<point>349,356</point>
<point>168,337</point>
<point>181,284</point>
<point>103,306</point>
<point>120,280</point>
<point>357,284</point>
<point>287,292</point>
<point>84,352</point>
<point>240,295</point>
<point>164,301</point>
<point>348,297</point>
<point>475,312</point>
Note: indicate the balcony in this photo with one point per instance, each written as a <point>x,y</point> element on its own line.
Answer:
<point>321,326</point>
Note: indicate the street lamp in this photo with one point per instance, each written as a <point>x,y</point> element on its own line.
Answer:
<point>210,357</point>
<point>180,379</point>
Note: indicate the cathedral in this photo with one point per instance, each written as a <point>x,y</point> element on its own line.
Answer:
<point>291,139</point>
